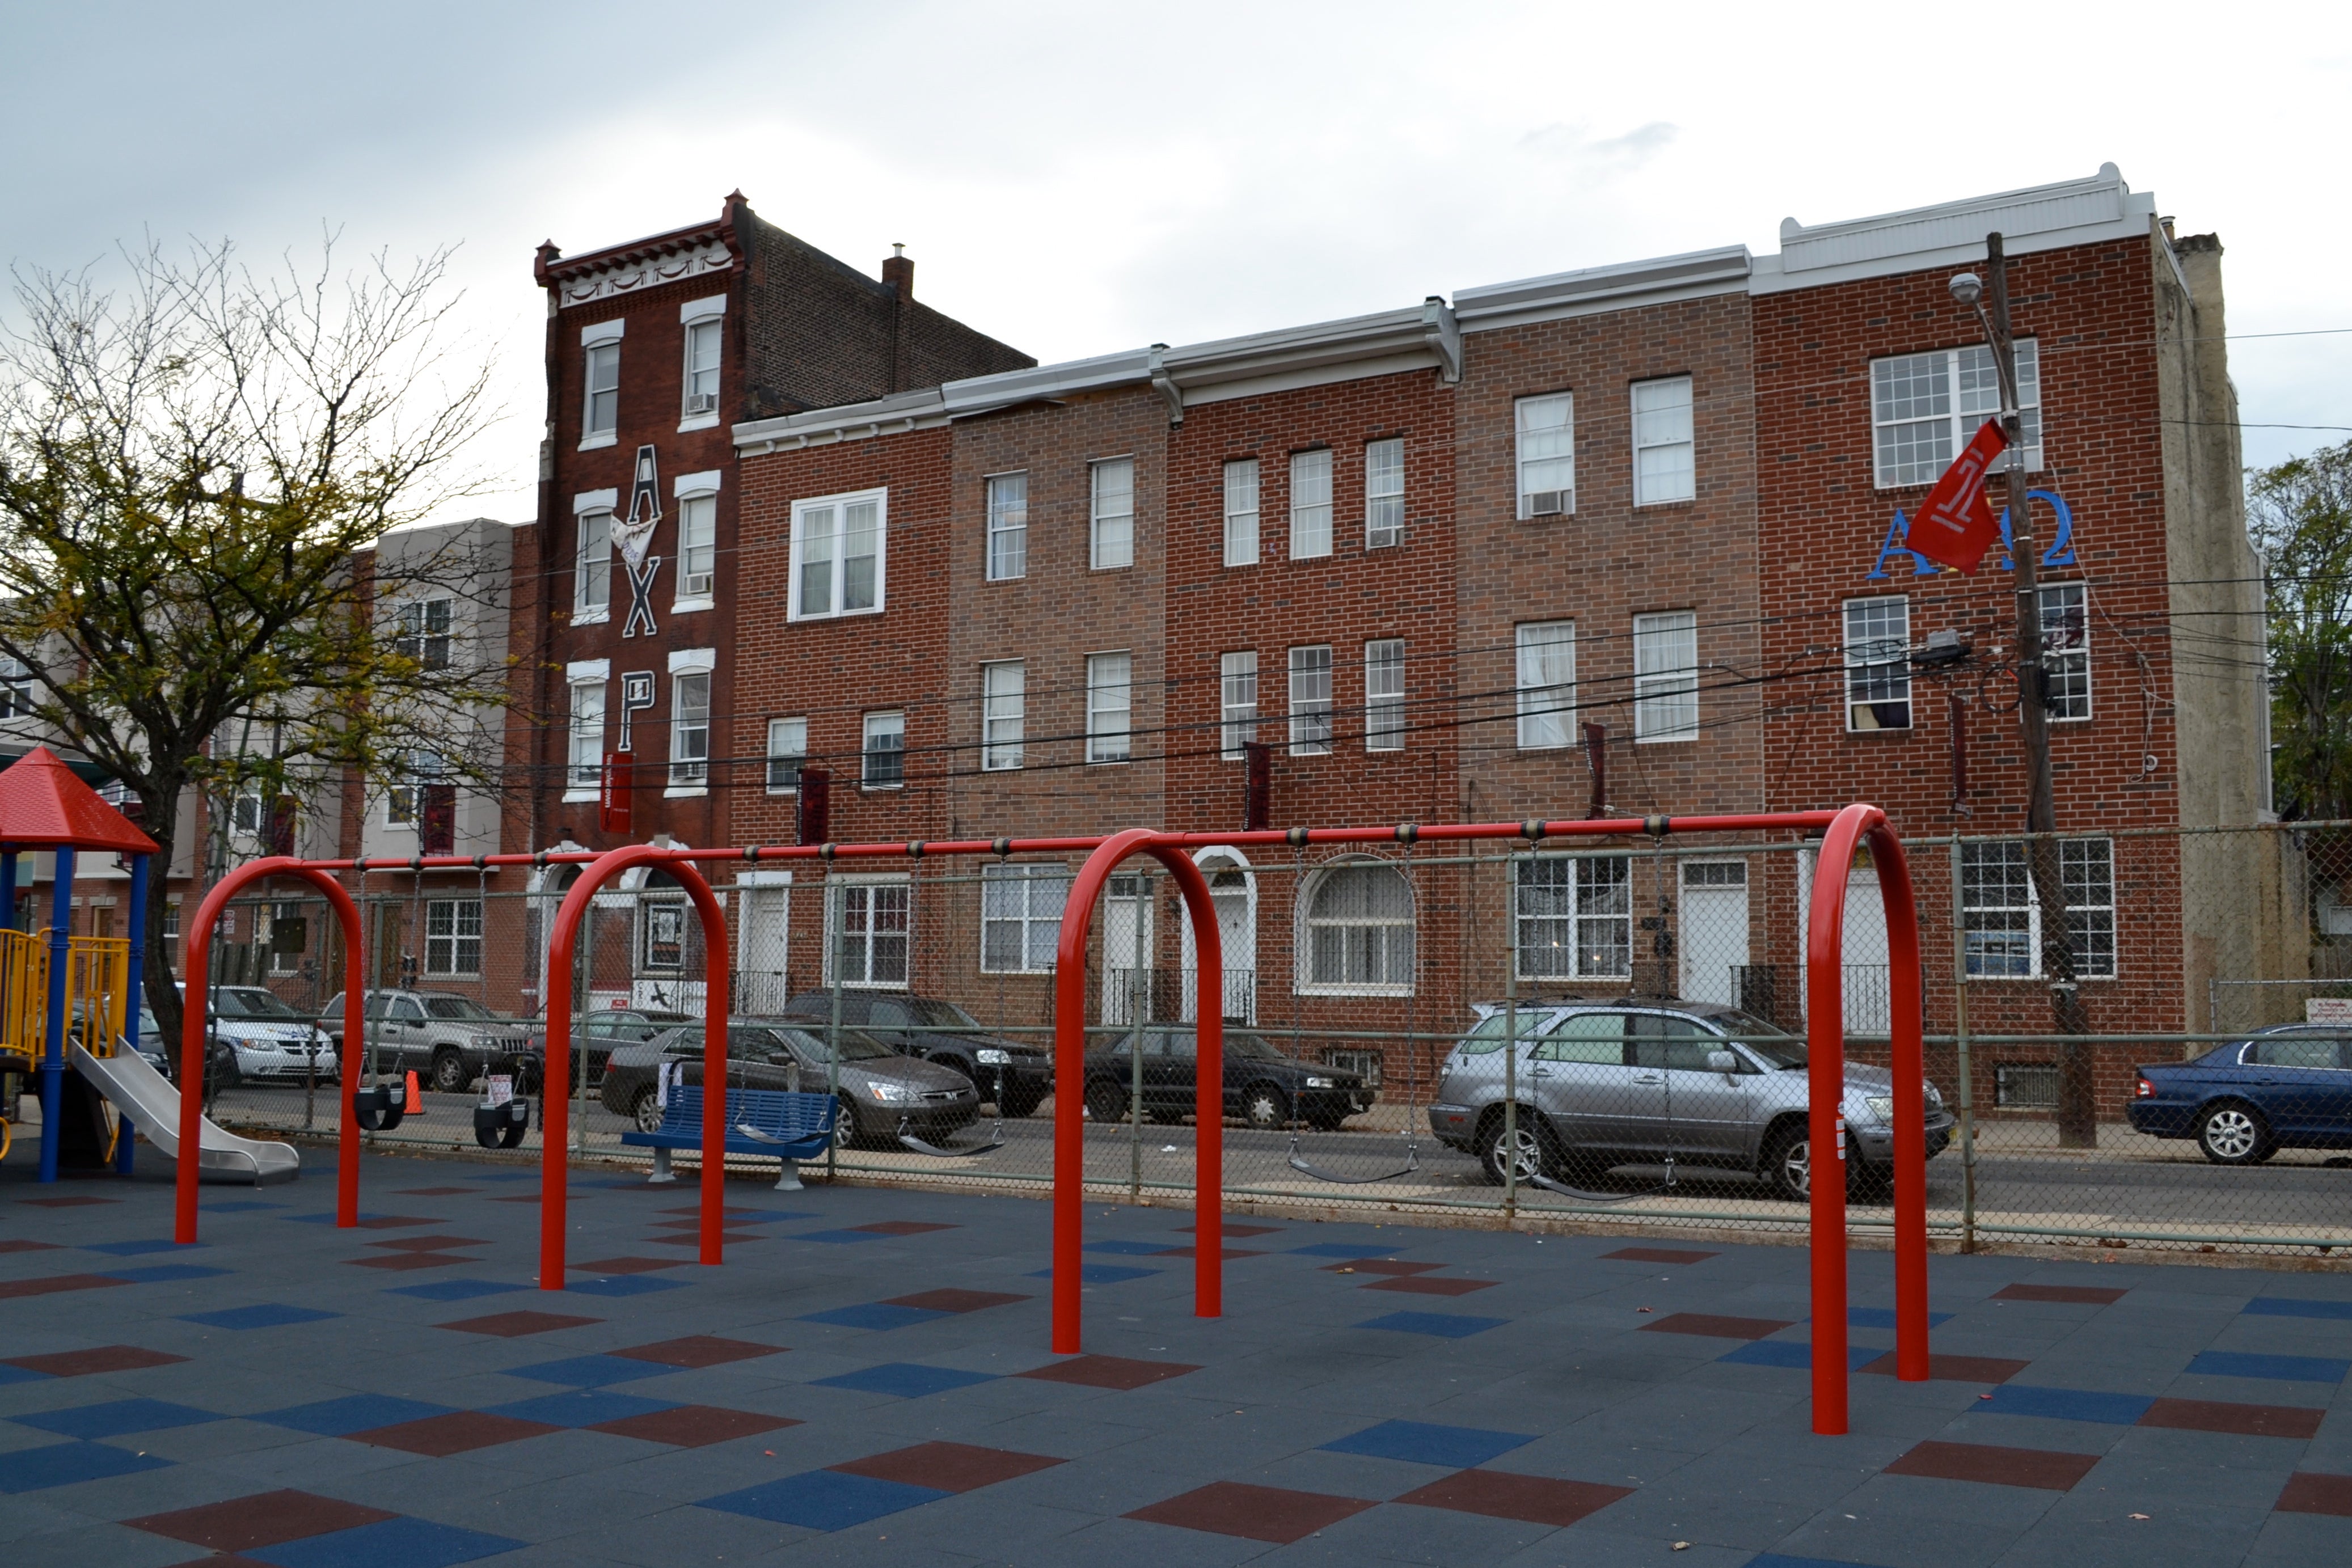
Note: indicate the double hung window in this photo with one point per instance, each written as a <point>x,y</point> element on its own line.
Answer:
<point>1008,526</point>
<point>1310,701</point>
<point>689,728</point>
<point>1241,512</point>
<point>884,756</point>
<point>425,633</point>
<point>1237,702</point>
<point>1925,407</point>
<point>1878,664</point>
<point>587,733</point>
<point>2066,649</point>
<point>702,366</point>
<point>870,924</point>
<point>697,545</point>
<point>1310,504</point>
<point>2003,917</point>
<point>1021,917</point>
<point>1664,470</point>
<point>414,773</point>
<point>1665,676</point>
<point>1546,683</point>
<point>839,545</point>
<point>591,576</point>
<point>1003,713</point>
<point>1546,455</point>
<point>1109,699</point>
<point>787,749</point>
<point>1110,536</point>
<point>1384,493</point>
<point>453,936</point>
<point>1574,917</point>
<point>1384,694</point>
<point>601,418</point>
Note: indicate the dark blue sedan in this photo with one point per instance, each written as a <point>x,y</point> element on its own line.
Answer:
<point>2284,1088</point>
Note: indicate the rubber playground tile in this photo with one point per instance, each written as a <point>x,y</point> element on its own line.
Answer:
<point>1194,1252</point>
<point>954,1301</point>
<point>1443,1325</point>
<point>455,1290</point>
<point>903,1227</point>
<point>133,1249</point>
<point>1252,1512</point>
<point>65,1202</point>
<point>693,1426</point>
<point>19,1244</point>
<point>434,1191</point>
<point>1884,1318</point>
<point>1708,1325</point>
<point>2280,1368</point>
<point>459,1432</point>
<point>2238,1420</point>
<point>1394,1266</point>
<point>1453,1448</point>
<point>396,1543</point>
<point>2040,1468</point>
<point>1433,1287</point>
<point>353,1413</point>
<point>624,1285</point>
<point>626,1265</point>
<point>1776,1560</point>
<point>906,1379</point>
<point>1122,1249</point>
<point>2065,1405</point>
<point>366,1221</point>
<point>69,1464</point>
<point>403,1261</point>
<point>581,1407</point>
<point>693,1214</point>
<point>1102,1274</point>
<point>1795,1354</point>
<point>1659,1255</point>
<point>1532,1499</point>
<point>2077,1295</point>
<point>2296,1307</point>
<point>586,1371</point>
<point>243,1205</point>
<point>877,1316</point>
<point>164,1273</point>
<point>1955,1368</point>
<point>428,1243</point>
<point>58,1284</point>
<point>103,1358</point>
<point>9,1374</point>
<point>2308,1491</point>
<point>1244,1231</point>
<point>261,1315</point>
<point>1342,1249</point>
<point>242,1523</point>
<point>1113,1371</point>
<point>116,1417</point>
<point>948,1467</point>
<point>824,1499</point>
<point>694,1239</point>
<point>698,1350</point>
<point>516,1325</point>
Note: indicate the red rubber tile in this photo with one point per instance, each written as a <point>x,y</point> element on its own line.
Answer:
<point>1708,1325</point>
<point>696,1350</point>
<point>409,1261</point>
<point>1658,1255</point>
<point>2241,1420</point>
<point>953,1300</point>
<point>626,1265</point>
<point>1235,1229</point>
<point>459,1432</point>
<point>2308,1491</point>
<point>1194,1251</point>
<point>697,1426</point>
<point>19,1244</point>
<point>65,1202</point>
<point>264,1520</point>
<point>950,1467</point>
<point>436,1191</point>
<point>1956,1368</point>
<point>429,1243</point>
<point>104,1358</point>
<point>2079,1295</point>
<point>395,1222</point>
<point>1422,1287</point>
<point>1253,1513</point>
<point>1499,1494</point>
<point>56,1284</point>
<point>1115,1372</point>
<point>1381,1266</point>
<point>515,1325</point>
<point>2040,1468</point>
<point>901,1228</point>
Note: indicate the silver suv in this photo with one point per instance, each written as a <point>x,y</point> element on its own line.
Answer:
<point>448,1036</point>
<point>1642,1082</point>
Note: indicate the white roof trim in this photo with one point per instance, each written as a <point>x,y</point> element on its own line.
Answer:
<point>1622,285</point>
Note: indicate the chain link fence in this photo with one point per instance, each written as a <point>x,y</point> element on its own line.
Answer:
<point>1655,995</point>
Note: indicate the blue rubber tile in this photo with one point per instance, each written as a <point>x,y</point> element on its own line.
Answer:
<point>906,1379</point>
<point>1131,1248</point>
<point>163,1273</point>
<point>134,1248</point>
<point>116,1417</point>
<point>1341,1249</point>
<point>588,1371</point>
<point>455,1290</point>
<point>240,1205</point>
<point>2284,1368</point>
<point>1455,1447</point>
<point>474,1176</point>
<point>2296,1307</point>
<point>1774,1560</point>
<point>328,1218</point>
<point>1797,1354</point>
<point>624,1285</point>
<point>353,1413</point>
<point>9,1374</point>
<point>1446,1326</point>
<point>843,1237</point>
<point>581,1407</point>
<point>824,1499</point>
<point>874,1315</point>
<point>1884,1318</point>
<point>263,1315</point>
<point>68,1464</point>
<point>2064,1404</point>
<point>1103,1274</point>
<point>388,1543</point>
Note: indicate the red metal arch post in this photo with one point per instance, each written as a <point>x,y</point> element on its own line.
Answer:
<point>1825,1087</point>
<point>198,950</point>
<point>555,1078</point>
<point>1070,1077</point>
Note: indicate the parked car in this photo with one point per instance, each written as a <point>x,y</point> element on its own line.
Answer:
<point>2284,1088</point>
<point>1629,1081</point>
<point>163,1055</point>
<point>267,1039</point>
<point>879,1087</point>
<point>448,1037</point>
<point>1262,1086</point>
<point>594,1036</point>
<point>1013,1074</point>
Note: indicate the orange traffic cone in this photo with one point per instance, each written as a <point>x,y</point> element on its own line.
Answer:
<point>415,1095</point>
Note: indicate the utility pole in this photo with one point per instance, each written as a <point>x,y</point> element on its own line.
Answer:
<point>2078,1095</point>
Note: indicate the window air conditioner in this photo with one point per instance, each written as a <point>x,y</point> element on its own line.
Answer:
<point>1549,503</point>
<point>702,403</point>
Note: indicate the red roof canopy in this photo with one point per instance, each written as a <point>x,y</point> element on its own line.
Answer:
<point>44,806</point>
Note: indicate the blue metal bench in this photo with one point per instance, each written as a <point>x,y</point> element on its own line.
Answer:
<point>787,1126</point>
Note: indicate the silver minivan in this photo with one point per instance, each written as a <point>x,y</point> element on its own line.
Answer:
<point>1653,1081</point>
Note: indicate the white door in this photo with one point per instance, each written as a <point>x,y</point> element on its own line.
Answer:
<point>1714,930</point>
<point>1126,917</point>
<point>761,984</point>
<point>1868,1007</point>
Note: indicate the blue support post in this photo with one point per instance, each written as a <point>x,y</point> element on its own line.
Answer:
<point>134,975</point>
<point>7,889</point>
<point>53,1051</point>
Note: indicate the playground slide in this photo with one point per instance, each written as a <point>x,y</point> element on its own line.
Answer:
<point>151,1100</point>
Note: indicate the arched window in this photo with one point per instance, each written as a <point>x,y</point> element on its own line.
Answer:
<point>1358,936</point>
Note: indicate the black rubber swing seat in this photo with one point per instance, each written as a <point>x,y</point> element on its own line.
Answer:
<point>1305,1167</point>
<point>908,1140</point>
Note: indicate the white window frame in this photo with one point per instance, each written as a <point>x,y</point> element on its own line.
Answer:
<point>453,937</point>
<point>423,630</point>
<point>404,797</point>
<point>1660,430</point>
<point>853,931</point>
<point>1528,437</point>
<point>2086,866</point>
<point>689,734</point>
<point>1236,703</point>
<point>592,556</point>
<point>584,782</point>
<point>832,527</point>
<point>600,346</point>
<point>1003,714</point>
<point>1919,425</point>
<point>16,699</point>
<point>701,322</point>
<point>1032,914</point>
<point>787,741</point>
<point>1310,711</point>
<point>698,539</point>
<point>1111,512</point>
<point>1110,706</point>
<point>1311,979</point>
<point>1384,698</point>
<point>1666,684</point>
<point>1244,489</point>
<point>1573,894</point>
<point>1384,493</point>
<point>882,725</point>
<point>1877,662</point>
<point>1310,504</point>
<point>1546,708</point>
<point>1007,501</point>
<point>2066,649</point>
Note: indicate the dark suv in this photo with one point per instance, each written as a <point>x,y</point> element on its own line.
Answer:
<point>1262,1086</point>
<point>1012,1073</point>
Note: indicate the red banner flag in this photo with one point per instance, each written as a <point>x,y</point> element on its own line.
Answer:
<point>1957,522</point>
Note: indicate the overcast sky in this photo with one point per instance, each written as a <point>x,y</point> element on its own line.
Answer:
<point>1076,179</point>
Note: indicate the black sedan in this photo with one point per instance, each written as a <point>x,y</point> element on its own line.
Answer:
<point>1015,1074</point>
<point>2284,1088</point>
<point>880,1090</point>
<point>1262,1086</point>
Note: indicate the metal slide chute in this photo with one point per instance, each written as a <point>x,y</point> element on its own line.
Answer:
<point>150,1100</point>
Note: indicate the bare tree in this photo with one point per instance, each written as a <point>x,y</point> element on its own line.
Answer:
<point>193,472</point>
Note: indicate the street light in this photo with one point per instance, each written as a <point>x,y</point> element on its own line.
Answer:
<point>1967,289</point>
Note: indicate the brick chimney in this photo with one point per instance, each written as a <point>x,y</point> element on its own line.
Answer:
<point>899,273</point>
